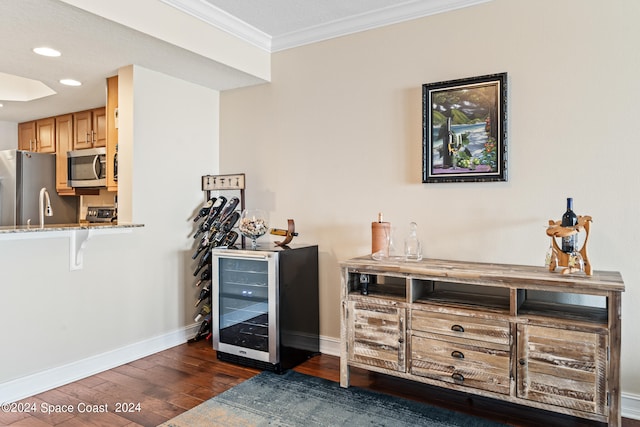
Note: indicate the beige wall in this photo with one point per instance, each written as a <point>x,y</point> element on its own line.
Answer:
<point>8,135</point>
<point>336,138</point>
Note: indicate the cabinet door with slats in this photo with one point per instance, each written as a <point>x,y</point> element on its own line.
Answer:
<point>562,367</point>
<point>377,335</point>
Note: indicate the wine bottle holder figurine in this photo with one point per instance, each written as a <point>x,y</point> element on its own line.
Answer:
<point>564,259</point>
<point>289,233</point>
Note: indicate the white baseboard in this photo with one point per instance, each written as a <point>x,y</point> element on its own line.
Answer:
<point>630,406</point>
<point>330,346</point>
<point>30,385</point>
<point>22,388</point>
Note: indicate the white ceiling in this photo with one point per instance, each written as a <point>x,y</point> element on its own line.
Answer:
<point>94,48</point>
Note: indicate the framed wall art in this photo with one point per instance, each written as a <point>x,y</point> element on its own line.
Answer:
<point>464,130</point>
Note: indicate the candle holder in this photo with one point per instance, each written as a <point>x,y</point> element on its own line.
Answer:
<point>575,261</point>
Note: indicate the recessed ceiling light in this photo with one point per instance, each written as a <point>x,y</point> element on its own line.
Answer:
<point>70,82</point>
<point>46,51</point>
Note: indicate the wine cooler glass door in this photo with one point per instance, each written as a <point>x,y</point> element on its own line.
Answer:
<point>245,298</point>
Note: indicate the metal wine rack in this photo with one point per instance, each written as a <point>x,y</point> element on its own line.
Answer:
<point>215,221</point>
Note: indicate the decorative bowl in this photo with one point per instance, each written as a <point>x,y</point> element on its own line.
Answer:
<point>253,224</point>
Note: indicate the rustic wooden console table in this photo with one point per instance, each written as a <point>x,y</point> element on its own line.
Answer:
<point>521,334</point>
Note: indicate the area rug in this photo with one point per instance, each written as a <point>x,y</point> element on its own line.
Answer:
<point>295,399</point>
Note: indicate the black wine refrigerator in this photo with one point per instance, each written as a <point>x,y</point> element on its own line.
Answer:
<point>265,306</point>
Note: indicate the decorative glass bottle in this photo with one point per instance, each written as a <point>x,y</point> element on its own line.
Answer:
<point>412,246</point>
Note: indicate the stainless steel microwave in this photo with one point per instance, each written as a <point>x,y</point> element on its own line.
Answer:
<point>87,168</point>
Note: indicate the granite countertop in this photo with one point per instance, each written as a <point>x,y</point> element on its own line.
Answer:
<point>65,227</point>
<point>77,233</point>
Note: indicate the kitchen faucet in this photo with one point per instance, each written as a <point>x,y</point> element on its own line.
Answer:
<point>44,210</point>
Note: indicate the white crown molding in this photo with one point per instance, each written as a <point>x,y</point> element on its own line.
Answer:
<point>353,24</point>
<point>223,20</point>
<point>367,21</point>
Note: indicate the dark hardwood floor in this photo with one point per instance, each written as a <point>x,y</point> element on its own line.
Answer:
<point>154,389</point>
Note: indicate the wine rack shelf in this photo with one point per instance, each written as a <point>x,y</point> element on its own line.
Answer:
<point>214,221</point>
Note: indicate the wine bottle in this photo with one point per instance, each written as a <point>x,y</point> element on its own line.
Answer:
<point>569,219</point>
<point>204,310</point>
<point>228,239</point>
<point>204,276</point>
<point>214,212</point>
<point>225,230</point>
<point>204,294</point>
<point>204,210</point>
<point>202,263</point>
<point>203,331</point>
<point>224,214</point>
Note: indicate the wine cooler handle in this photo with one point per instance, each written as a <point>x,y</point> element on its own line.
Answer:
<point>241,256</point>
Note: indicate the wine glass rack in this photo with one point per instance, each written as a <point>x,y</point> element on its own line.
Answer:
<point>563,259</point>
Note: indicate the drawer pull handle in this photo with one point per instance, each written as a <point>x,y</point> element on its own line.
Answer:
<point>457,354</point>
<point>457,377</point>
<point>457,328</point>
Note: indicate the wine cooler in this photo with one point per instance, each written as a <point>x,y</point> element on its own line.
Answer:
<point>265,306</point>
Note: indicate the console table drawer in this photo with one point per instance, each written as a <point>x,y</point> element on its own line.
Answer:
<point>463,362</point>
<point>458,325</point>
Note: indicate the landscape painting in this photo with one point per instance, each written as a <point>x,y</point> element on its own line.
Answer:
<point>464,130</point>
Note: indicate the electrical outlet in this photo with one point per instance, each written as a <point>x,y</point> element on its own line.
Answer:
<point>223,182</point>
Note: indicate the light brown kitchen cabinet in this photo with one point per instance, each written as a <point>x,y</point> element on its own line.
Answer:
<point>46,135</point>
<point>112,133</point>
<point>64,140</point>
<point>90,129</point>
<point>37,135</point>
<point>519,334</point>
<point>27,136</point>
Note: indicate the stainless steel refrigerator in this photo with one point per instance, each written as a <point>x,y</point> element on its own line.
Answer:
<point>22,175</point>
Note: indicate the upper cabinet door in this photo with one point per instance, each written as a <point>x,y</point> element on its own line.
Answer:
<point>46,135</point>
<point>27,136</point>
<point>82,124</point>
<point>99,127</point>
<point>90,129</point>
<point>64,140</point>
<point>38,135</point>
<point>112,133</point>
